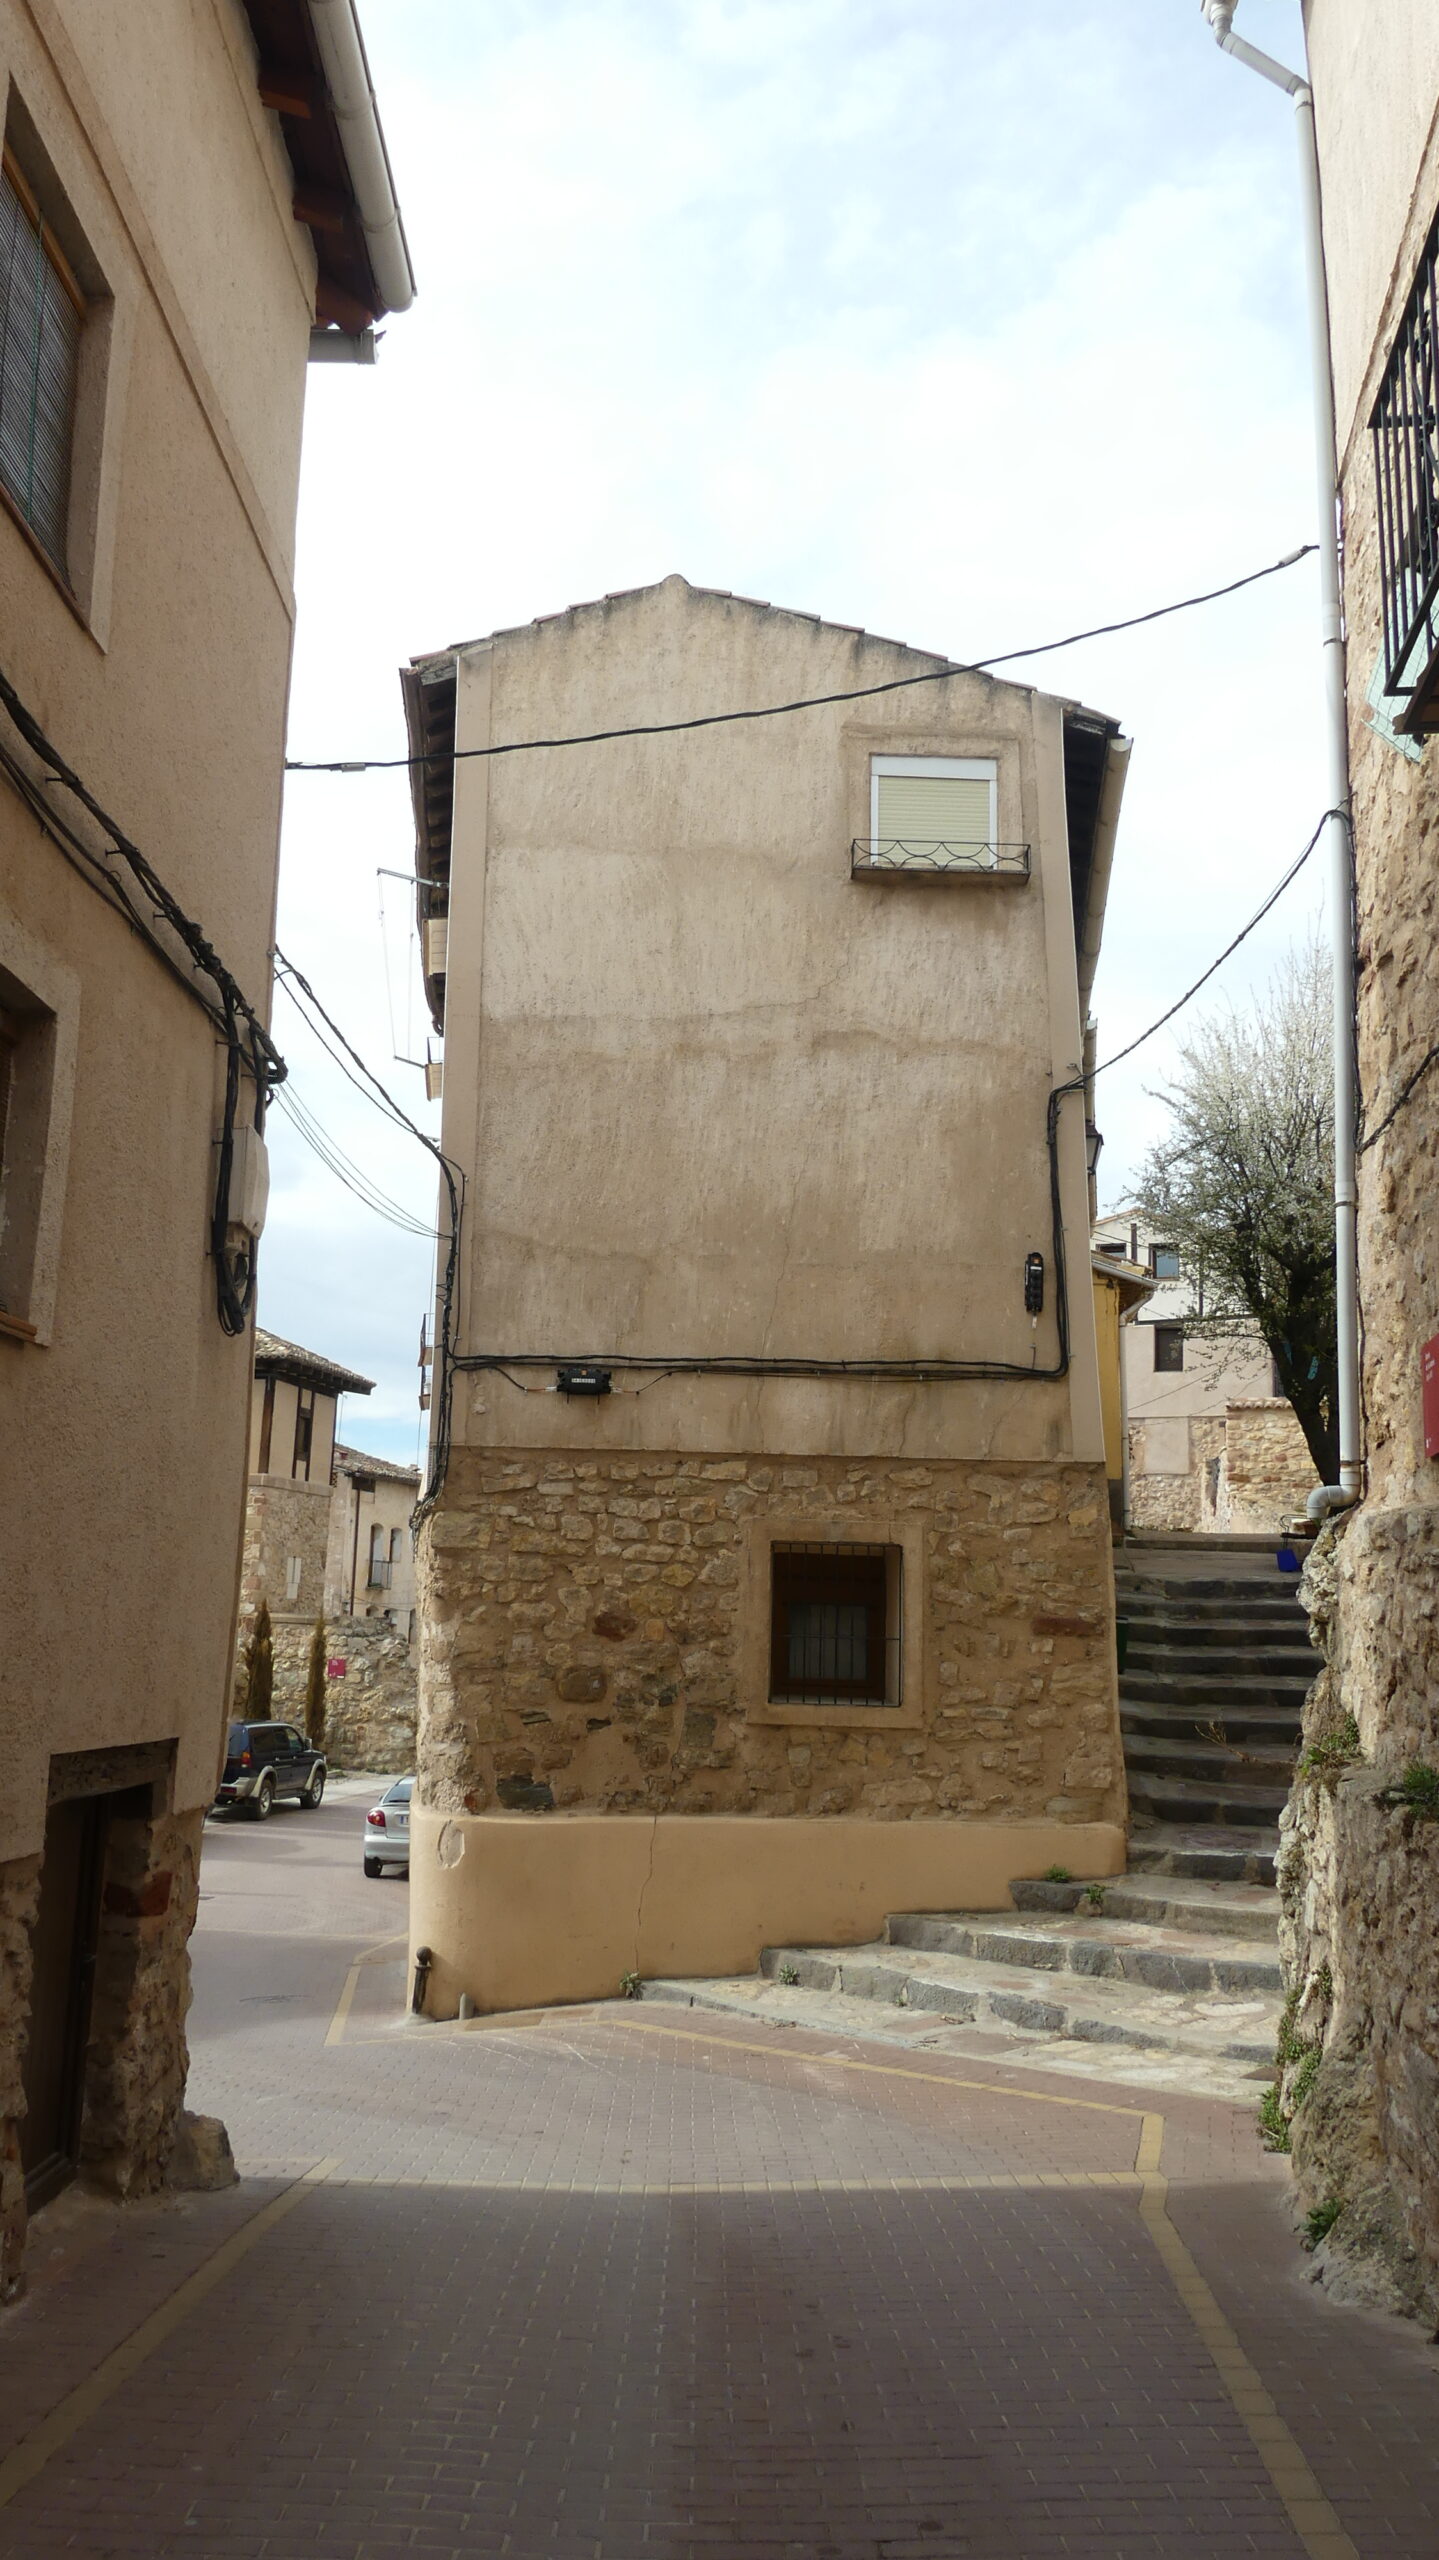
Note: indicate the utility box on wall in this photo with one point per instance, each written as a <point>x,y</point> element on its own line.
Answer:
<point>1429,1374</point>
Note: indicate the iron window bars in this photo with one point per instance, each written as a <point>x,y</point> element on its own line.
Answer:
<point>1405,428</point>
<point>41,315</point>
<point>834,1625</point>
<point>872,855</point>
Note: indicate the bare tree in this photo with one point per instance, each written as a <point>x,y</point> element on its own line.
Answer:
<point>1243,1184</point>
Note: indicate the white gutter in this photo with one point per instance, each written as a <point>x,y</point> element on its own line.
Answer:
<point>347,77</point>
<point>1339,826</point>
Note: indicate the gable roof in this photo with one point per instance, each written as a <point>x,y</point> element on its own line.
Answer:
<point>354,1462</point>
<point>276,1358</point>
<point>1094,758</point>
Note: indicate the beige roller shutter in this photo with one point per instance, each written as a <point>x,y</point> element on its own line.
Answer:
<point>933,808</point>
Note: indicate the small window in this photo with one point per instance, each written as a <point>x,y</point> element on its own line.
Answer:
<point>294,1574</point>
<point>379,1559</point>
<point>835,1625</point>
<point>42,312</point>
<point>1169,1346</point>
<point>934,813</point>
<point>1164,1261</point>
<point>304,1431</point>
<point>27,1064</point>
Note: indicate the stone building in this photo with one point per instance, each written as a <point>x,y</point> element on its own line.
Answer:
<point>1210,1445</point>
<point>769,1586</point>
<point>179,213</point>
<point>1360,1875</point>
<point>370,1558</point>
<point>289,1528</point>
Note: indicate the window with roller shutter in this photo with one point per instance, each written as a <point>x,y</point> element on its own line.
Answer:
<point>933,813</point>
<point>42,313</point>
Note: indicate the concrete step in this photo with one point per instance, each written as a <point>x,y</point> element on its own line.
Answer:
<point>1192,1901</point>
<point>1196,1604</point>
<point>1185,1689</point>
<point>1170,1849</point>
<point>1273,1727</point>
<point>1235,1804</point>
<point>1253,1764</point>
<point>1239,2028</point>
<point>1158,1958</point>
<point>1178,1657</point>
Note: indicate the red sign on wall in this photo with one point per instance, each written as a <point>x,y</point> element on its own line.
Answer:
<point>336,1667</point>
<point>1429,1373</point>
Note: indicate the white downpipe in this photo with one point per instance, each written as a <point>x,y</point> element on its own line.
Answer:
<point>1339,840</point>
<point>347,77</point>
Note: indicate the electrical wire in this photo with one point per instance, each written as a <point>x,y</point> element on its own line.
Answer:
<point>332,1155</point>
<point>135,892</point>
<point>806,702</point>
<point>298,987</point>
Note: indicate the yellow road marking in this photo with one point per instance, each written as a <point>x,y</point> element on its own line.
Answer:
<point>998,2180</point>
<point>335,2033</point>
<point>34,2450</point>
<point>1304,2502</point>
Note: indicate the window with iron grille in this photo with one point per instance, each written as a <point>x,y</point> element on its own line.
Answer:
<point>1405,428</point>
<point>935,814</point>
<point>42,313</point>
<point>835,1625</point>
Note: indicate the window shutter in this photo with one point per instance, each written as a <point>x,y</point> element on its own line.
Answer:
<point>40,321</point>
<point>933,808</point>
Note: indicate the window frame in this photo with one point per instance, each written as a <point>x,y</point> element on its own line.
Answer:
<point>304,1442</point>
<point>1170,1334</point>
<point>843,1526</point>
<point>936,768</point>
<point>837,1573</point>
<point>1155,1250</point>
<point>55,553</point>
<point>42,997</point>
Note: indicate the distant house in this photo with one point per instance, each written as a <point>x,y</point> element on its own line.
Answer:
<point>292,1450</point>
<point>370,1564</point>
<point>1211,1445</point>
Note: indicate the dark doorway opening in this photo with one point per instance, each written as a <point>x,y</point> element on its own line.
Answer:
<point>63,1947</point>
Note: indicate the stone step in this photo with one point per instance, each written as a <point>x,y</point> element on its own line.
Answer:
<point>1178,1900</point>
<point>1179,1657</point>
<point>1091,2009</point>
<point>1159,1958</point>
<point>1271,1725</point>
<point>1236,1804</point>
<point>1183,1602</point>
<point>1255,1764</point>
<point>1180,1689</point>
<point>1235,1857</point>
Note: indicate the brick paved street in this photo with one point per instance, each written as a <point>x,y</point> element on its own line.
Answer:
<point>631,2281</point>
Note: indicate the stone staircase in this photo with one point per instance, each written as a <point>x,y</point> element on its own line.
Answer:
<point>1174,1967</point>
<point>1210,1697</point>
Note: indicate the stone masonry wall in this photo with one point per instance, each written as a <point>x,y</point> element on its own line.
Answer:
<point>284,1519</point>
<point>1268,1472</point>
<point>1175,1501</point>
<point>370,1714</point>
<point>584,1625</point>
<point>1361,1865</point>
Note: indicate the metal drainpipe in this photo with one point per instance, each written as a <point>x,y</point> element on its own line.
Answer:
<point>1340,838</point>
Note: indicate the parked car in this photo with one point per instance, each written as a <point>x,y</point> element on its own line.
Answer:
<point>387,1829</point>
<point>263,1761</point>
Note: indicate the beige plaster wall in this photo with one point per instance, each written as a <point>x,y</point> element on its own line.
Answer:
<point>523,1910</point>
<point>347,1590</point>
<point>164,684</point>
<point>715,1096</point>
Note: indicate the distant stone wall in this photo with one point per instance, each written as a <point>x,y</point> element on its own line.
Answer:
<point>1268,1472</point>
<point>370,1714</point>
<point>590,1633</point>
<point>284,1519</point>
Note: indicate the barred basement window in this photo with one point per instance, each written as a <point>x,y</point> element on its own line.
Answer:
<point>42,311</point>
<point>835,1625</point>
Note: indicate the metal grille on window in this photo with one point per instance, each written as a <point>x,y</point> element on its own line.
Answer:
<point>834,1633</point>
<point>1405,428</point>
<point>40,321</point>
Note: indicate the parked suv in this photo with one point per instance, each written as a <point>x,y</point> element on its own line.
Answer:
<point>263,1761</point>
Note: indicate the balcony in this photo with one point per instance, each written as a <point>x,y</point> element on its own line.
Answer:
<point>1405,428</point>
<point>380,1575</point>
<point>920,857</point>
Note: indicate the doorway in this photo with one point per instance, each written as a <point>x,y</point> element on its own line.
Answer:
<point>63,1945</point>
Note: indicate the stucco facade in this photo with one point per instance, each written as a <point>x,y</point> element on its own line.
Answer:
<point>149,634</point>
<point>370,1558</point>
<point>1358,1874</point>
<point>763,1136</point>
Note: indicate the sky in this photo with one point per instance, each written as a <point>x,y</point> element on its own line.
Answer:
<point>973,324</point>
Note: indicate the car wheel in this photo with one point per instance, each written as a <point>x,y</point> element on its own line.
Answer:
<point>262,1800</point>
<point>374,1867</point>
<point>314,1792</point>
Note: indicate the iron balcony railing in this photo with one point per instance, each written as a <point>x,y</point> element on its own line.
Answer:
<point>1405,428</point>
<point>872,855</point>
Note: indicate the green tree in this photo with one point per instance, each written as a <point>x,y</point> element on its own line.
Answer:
<point>1243,1185</point>
<point>316,1684</point>
<point>259,1667</point>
